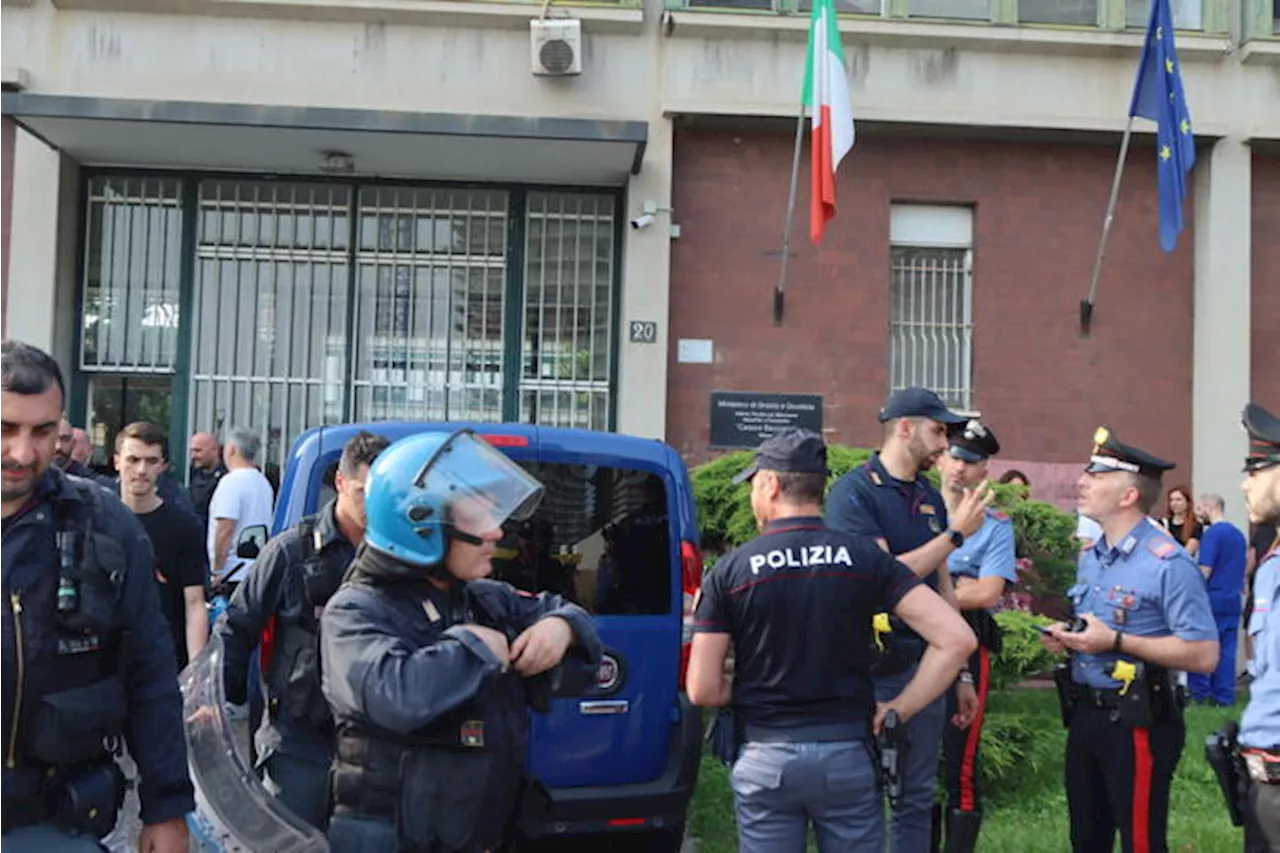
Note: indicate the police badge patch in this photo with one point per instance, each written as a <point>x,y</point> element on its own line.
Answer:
<point>472,733</point>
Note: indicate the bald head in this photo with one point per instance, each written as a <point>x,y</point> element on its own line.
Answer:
<point>81,446</point>
<point>204,451</point>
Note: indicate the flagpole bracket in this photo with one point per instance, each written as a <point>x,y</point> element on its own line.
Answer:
<point>1086,317</point>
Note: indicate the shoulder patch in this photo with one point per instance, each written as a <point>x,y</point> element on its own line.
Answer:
<point>1162,548</point>
<point>997,515</point>
<point>524,593</point>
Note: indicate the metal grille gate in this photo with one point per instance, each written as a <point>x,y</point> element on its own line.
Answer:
<point>931,324</point>
<point>319,303</point>
<point>270,309</point>
<point>432,286</point>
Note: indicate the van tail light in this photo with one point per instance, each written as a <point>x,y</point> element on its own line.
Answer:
<point>496,440</point>
<point>690,583</point>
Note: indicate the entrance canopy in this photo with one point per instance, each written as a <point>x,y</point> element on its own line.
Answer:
<point>304,140</point>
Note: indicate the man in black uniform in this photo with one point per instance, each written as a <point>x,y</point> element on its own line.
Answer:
<point>87,654</point>
<point>796,606</point>
<point>890,500</point>
<point>285,593</point>
<point>425,659</point>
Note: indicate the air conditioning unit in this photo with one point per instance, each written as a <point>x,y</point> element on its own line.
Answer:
<point>555,46</point>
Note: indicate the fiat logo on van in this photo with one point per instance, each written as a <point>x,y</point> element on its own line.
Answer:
<point>608,674</point>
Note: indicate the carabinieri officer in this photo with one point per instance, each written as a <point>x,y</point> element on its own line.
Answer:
<point>979,570</point>
<point>1260,725</point>
<point>1145,614</point>
<point>796,604</point>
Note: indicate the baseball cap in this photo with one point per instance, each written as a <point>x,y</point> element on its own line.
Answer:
<point>796,451</point>
<point>917,402</point>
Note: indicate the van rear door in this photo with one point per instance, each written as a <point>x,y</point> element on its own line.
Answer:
<point>605,537</point>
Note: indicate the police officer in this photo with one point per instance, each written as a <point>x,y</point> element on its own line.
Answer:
<point>429,667</point>
<point>87,654</point>
<point>291,581</point>
<point>890,500</point>
<point>796,606</point>
<point>1260,726</point>
<point>1144,613</point>
<point>979,570</point>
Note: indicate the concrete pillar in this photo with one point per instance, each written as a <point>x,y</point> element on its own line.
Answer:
<point>33,244</point>
<point>8,138</point>
<point>1220,378</point>
<point>646,282</point>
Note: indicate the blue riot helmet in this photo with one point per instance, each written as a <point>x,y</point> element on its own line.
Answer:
<point>429,488</point>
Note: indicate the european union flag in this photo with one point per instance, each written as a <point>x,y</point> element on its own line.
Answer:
<point>1158,95</point>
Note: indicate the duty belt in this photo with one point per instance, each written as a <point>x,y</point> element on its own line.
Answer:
<point>1263,765</point>
<point>1097,697</point>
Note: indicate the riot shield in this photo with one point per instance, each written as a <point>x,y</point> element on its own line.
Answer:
<point>234,812</point>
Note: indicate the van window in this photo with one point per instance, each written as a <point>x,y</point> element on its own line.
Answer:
<point>600,538</point>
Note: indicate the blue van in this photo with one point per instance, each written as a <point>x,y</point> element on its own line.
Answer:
<point>617,533</point>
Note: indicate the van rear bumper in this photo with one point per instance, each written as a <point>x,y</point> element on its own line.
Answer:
<point>658,804</point>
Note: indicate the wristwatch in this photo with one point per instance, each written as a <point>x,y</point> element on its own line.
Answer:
<point>957,538</point>
<point>1115,644</point>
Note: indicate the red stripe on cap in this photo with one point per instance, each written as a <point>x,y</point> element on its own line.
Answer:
<point>1141,791</point>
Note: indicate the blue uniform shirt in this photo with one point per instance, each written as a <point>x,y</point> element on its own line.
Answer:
<point>989,553</point>
<point>1224,550</point>
<point>1147,586</point>
<point>869,501</point>
<point>1260,725</point>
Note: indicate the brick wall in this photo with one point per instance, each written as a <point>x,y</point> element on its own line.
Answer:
<point>1038,210</point>
<point>1265,309</point>
<point>7,129</point>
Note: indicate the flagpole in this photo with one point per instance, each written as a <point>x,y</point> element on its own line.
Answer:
<point>779,292</point>
<point>1086,306</point>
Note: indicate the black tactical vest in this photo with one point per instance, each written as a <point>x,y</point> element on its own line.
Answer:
<point>453,786</point>
<point>293,677</point>
<point>72,643</point>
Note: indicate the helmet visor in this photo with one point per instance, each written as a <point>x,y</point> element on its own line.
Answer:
<point>479,486</point>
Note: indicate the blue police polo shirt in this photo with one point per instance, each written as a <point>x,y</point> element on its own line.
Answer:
<point>1224,550</point>
<point>1147,586</point>
<point>988,553</point>
<point>798,602</point>
<point>869,501</point>
<point>1260,725</point>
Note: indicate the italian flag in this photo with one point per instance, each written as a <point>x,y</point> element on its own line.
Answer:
<point>826,97</point>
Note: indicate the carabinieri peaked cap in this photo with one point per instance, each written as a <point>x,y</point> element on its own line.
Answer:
<point>972,441</point>
<point>1111,454</point>
<point>1264,437</point>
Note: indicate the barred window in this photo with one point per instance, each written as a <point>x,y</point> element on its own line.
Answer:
<point>931,321</point>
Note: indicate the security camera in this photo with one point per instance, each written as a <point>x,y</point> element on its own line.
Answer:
<point>642,221</point>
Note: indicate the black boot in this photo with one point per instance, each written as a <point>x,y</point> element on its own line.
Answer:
<point>937,828</point>
<point>962,831</point>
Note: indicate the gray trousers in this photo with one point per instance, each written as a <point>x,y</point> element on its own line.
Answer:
<point>911,824</point>
<point>43,838</point>
<point>779,789</point>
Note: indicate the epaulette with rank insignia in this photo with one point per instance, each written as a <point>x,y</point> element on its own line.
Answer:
<point>1162,548</point>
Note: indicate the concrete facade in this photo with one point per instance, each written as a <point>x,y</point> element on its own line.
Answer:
<point>1020,121</point>
<point>8,138</point>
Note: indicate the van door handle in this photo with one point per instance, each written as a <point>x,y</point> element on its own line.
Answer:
<point>601,707</point>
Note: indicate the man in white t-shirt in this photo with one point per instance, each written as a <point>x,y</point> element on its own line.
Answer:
<point>242,499</point>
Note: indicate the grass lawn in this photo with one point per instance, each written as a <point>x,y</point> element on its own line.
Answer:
<point>1027,811</point>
